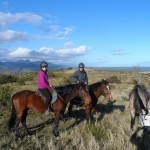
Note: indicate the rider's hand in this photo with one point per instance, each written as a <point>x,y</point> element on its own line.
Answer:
<point>77,81</point>
<point>85,83</point>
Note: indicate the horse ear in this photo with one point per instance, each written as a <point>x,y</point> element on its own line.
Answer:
<point>142,96</point>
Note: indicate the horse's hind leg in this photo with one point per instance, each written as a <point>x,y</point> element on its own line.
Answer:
<point>17,127</point>
<point>23,121</point>
<point>133,115</point>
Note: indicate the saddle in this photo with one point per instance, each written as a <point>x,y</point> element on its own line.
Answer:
<point>54,96</point>
<point>38,93</point>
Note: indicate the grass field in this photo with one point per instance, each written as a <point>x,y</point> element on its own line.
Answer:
<point>109,131</point>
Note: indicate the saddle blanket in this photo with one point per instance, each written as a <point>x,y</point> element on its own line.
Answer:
<point>54,96</point>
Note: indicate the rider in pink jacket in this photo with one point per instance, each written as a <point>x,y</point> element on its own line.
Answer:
<point>44,86</point>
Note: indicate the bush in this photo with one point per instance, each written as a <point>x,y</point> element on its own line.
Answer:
<point>7,79</point>
<point>69,68</point>
<point>134,81</point>
<point>21,79</point>
<point>51,74</point>
<point>5,95</point>
<point>114,79</point>
<point>64,81</point>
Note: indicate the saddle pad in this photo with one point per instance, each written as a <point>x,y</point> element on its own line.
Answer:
<point>54,96</point>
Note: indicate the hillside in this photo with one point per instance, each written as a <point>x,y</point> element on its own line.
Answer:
<point>109,131</point>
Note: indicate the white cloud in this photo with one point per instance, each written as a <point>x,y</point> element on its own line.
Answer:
<point>58,32</point>
<point>11,36</point>
<point>68,44</point>
<point>20,52</point>
<point>118,52</point>
<point>67,30</point>
<point>10,18</point>
<point>54,28</point>
<point>46,50</point>
<point>49,53</point>
<point>71,52</point>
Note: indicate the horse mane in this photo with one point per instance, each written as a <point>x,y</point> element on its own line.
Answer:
<point>65,89</point>
<point>94,86</point>
<point>68,88</point>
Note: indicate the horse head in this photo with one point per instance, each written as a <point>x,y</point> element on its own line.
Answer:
<point>105,90</point>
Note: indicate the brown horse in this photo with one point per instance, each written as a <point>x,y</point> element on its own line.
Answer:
<point>96,90</point>
<point>138,99</point>
<point>25,100</point>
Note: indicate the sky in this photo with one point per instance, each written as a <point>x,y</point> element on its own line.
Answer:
<point>99,33</point>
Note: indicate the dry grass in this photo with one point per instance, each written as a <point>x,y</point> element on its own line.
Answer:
<point>109,131</point>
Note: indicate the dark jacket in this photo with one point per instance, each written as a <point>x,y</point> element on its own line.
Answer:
<point>80,76</point>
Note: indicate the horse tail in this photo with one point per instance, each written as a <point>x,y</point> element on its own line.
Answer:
<point>142,101</point>
<point>12,119</point>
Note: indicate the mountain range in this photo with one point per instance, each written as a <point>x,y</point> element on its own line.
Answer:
<point>25,64</point>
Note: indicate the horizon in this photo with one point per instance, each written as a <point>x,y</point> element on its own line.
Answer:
<point>109,33</point>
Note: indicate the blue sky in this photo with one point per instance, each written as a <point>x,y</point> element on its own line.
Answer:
<point>100,33</point>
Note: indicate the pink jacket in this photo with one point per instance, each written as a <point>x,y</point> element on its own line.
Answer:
<point>43,80</point>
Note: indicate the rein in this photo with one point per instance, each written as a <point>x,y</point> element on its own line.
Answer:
<point>60,96</point>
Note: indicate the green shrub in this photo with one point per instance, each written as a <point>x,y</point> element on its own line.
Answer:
<point>134,81</point>
<point>114,79</point>
<point>7,79</point>
<point>51,74</point>
<point>5,95</point>
<point>21,79</point>
<point>69,68</point>
<point>64,81</point>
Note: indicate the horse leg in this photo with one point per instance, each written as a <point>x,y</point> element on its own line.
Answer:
<point>70,110</point>
<point>17,128</point>
<point>23,121</point>
<point>133,115</point>
<point>92,112</point>
<point>88,114</point>
<point>56,123</point>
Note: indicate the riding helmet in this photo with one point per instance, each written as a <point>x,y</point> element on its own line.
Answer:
<point>43,64</point>
<point>81,65</point>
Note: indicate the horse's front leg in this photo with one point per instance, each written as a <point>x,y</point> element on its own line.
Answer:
<point>23,121</point>
<point>92,112</point>
<point>70,110</point>
<point>88,113</point>
<point>56,123</point>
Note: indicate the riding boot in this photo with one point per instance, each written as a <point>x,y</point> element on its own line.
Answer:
<point>47,112</point>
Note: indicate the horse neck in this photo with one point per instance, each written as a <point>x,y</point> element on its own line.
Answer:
<point>98,92</point>
<point>72,95</point>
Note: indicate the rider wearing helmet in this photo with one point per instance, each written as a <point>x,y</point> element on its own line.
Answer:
<point>80,76</point>
<point>44,86</point>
